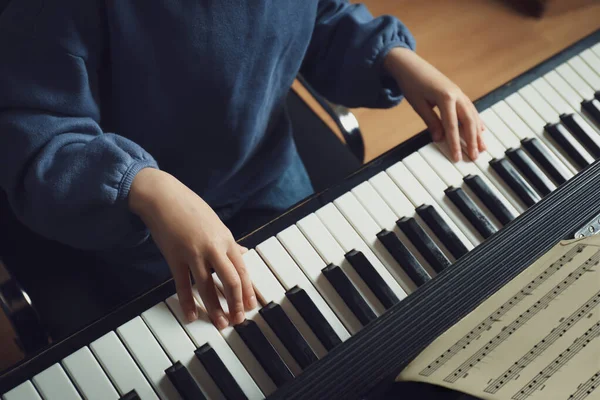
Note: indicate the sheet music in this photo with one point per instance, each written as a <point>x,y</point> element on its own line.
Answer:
<point>536,338</point>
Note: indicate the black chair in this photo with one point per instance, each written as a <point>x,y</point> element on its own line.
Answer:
<point>68,291</point>
<point>327,162</point>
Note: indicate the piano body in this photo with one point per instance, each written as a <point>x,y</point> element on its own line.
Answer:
<point>358,279</point>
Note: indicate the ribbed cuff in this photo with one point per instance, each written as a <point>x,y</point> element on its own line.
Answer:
<point>139,230</point>
<point>130,174</point>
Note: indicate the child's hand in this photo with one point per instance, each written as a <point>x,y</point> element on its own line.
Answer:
<point>425,88</point>
<point>193,240</point>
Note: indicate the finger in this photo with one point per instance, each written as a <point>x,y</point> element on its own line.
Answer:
<point>480,128</point>
<point>434,125</point>
<point>469,127</point>
<point>243,250</point>
<point>450,124</point>
<point>232,286</point>
<point>480,141</point>
<point>183,286</point>
<point>247,288</point>
<point>208,293</point>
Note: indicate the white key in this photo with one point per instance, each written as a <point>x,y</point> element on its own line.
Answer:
<point>499,129</point>
<point>120,367</point>
<point>553,98</point>
<point>25,391</point>
<point>348,237</point>
<point>312,264</point>
<point>242,351</point>
<point>385,218</point>
<point>483,164</point>
<point>330,249</point>
<point>593,61</point>
<point>495,149</point>
<point>533,94</point>
<point>88,376</point>
<point>564,89</point>
<point>515,125</point>
<point>447,171</point>
<point>505,139</point>
<point>537,124</point>
<point>149,356</point>
<point>586,72</point>
<point>498,150</point>
<point>512,120</point>
<point>469,167</point>
<point>402,207</point>
<point>179,347</point>
<point>271,290</point>
<point>542,106</point>
<point>367,228</point>
<point>596,49</point>
<point>203,331</point>
<point>54,384</point>
<point>574,80</point>
<point>417,194</point>
<point>559,85</point>
<point>435,186</point>
<point>255,316</point>
<point>290,275</point>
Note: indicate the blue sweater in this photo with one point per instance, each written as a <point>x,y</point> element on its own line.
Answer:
<point>93,91</point>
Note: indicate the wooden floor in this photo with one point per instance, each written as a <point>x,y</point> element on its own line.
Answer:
<point>479,44</point>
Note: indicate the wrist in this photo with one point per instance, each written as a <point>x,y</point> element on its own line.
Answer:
<point>398,60</point>
<point>144,189</point>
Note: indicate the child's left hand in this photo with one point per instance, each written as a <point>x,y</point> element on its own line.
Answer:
<point>425,88</point>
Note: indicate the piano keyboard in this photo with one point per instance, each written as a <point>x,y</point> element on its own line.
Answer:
<point>324,278</point>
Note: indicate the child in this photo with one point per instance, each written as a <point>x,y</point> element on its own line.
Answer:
<point>125,120</point>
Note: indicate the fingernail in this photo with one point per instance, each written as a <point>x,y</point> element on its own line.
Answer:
<point>253,302</point>
<point>222,322</point>
<point>191,316</point>
<point>239,317</point>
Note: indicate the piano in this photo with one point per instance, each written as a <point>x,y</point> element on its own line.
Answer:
<point>355,281</point>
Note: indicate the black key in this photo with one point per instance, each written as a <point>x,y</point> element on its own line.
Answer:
<point>446,235</point>
<point>423,242</point>
<point>489,198</point>
<point>583,132</point>
<point>592,107</point>
<point>542,155</point>
<point>219,373</point>
<point>349,294</point>
<point>404,257</point>
<point>536,176</point>
<point>560,134</point>
<point>470,210</point>
<point>130,396</point>
<point>597,95</point>
<point>515,181</point>
<point>313,317</point>
<point>264,352</point>
<point>372,278</point>
<point>289,335</point>
<point>181,378</point>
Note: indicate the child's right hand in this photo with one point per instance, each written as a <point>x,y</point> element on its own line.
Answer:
<point>193,240</point>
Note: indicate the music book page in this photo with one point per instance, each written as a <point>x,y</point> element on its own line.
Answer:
<point>536,338</point>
